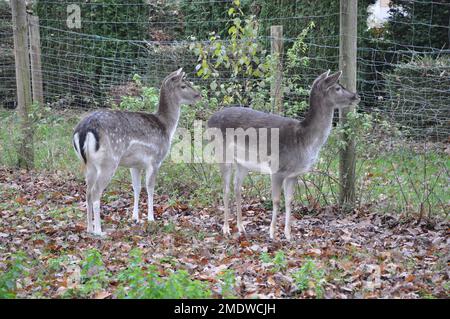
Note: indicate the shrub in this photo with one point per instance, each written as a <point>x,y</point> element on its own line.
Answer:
<point>147,100</point>
<point>94,56</point>
<point>416,98</point>
<point>242,58</point>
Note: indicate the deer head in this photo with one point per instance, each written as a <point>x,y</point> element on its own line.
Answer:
<point>176,85</point>
<point>330,93</point>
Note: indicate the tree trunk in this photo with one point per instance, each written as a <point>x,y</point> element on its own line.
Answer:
<point>347,63</point>
<point>22,60</point>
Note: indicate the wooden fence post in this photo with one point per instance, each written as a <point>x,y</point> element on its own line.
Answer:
<point>347,63</point>
<point>276,92</point>
<point>22,60</point>
<point>35,54</point>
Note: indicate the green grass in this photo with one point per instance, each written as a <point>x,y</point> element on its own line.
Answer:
<point>402,179</point>
<point>52,140</point>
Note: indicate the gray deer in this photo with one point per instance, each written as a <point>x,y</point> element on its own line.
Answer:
<point>106,139</point>
<point>299,144</point>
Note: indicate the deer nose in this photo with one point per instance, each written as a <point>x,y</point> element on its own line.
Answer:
<point>356,97</point>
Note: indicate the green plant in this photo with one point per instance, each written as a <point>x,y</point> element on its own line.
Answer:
<point>242,56</point>
<point>357,125</point>
<point>179,285</point>
<point>144,282</point>
<point>265,257</point>
<point>296,60</point>
<point>147,101</point>
<point>52,135</point>
<point>93,275</point>
<point>16,268</point>
<point>57,264</point>
<point>134,279</point>
<point>169,227</point>
<point>278,262</point>
<point>309,276</point>
<point>227,281</point>
<point>446,286</point>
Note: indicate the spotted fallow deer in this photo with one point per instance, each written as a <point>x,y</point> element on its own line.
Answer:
<point>298,148</point>
<point>106,139</point>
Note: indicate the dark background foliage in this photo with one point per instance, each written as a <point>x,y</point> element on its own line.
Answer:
<point>119,38</point>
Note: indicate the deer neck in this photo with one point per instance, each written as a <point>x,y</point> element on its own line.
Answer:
<point>168,111</point>
<point>318,122</point>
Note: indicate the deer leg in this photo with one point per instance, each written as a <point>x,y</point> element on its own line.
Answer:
<point>90,216</point>
<point>150,179</point>
<point>239,176</point>
<point>104,175</point>
<point>276,194</point>
<point>91,176</point>
<point>289,188</point>
<point>226,170</point>
<point>136,181</point>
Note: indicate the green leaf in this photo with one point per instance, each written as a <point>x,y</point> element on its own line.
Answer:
<point>232,30</point>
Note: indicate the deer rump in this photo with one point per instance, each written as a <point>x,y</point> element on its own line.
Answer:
<point>112,130</point>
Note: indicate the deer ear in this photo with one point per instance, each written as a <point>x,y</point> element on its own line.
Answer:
<point>332,79</point>
<point>173,76</point>
<point>177,75</point>
<point>321,77</point>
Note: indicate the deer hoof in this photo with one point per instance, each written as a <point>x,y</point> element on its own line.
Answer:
<point>241,229</point>
<point>226,230</point>
<point>101,234</point>
<point>272,233</point>
<point>288,236</point>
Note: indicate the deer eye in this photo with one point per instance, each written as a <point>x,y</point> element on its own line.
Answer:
<point>183,86</point>
<point>338,88</point>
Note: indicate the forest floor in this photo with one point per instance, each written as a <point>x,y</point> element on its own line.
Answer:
<point>45,251</point>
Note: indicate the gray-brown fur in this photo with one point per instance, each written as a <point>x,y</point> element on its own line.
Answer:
<point>119,128</point>
<point>106,139</point>
<point>299,142</point>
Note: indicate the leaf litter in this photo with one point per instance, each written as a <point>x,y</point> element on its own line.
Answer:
<point>362,254</point>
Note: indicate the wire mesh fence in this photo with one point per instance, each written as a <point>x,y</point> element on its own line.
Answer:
<point>403,78</point>
<point>7,73</point>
